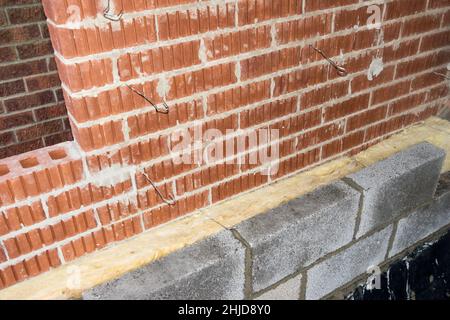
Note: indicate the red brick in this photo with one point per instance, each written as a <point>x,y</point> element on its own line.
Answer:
<point>99,136</point>
<point>401,50</point>
<point>271,62</point>
<point>17,217</point>
<point>348,19</point>
<point>204,79</point>
<point>230,188</point>
<point>183,23</point>
<point>29,101</point>
<point>115,35</point>
<point>2,255</point>
<point>16,120</point>
<point>331,149</point>
<point>435,41</point>
<point>11,88</point>
<point>421,24</point>
<point>437,4</point>
<point>391,31</point>
<point>401,8</point>
<point>19,34</point>
<point>267,112</point>
<point>416,65</point>
<point>235,43</point>
<point>312,5</point>
<point>20,271</point>
<point>260,10</point>
<point>361,82</point>
<point>352,140</point>
<point>347,107</point>
<point>152,121</point>
<point>135,65</point>
<point>437,92</point>
<point>427,79</point>
<point>58,138</point>
<point>367,117</point>
<point>21,15</point>
<point>41,129</point>
<point>111,102</point>
<point>23,69</point>
<point>409,102</point>
<point>300,79</point>
<point>303,28</point>
<point>42,82</point>
<point>324,94</point>
<point>86,75</point>
<point>238,97</point>
<point>7,54</point>
<point>50,112</point>
<point>7,138</point>
<point>20,148</point>
<point>36,49</point>
<point>115,211</point>
<point>390,92</point>
<point>59,12</point>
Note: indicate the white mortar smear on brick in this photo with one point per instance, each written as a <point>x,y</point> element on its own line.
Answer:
<point>202,52</point>
<point>112,176</point>
<point>375,68</point>
<point>163,86</point>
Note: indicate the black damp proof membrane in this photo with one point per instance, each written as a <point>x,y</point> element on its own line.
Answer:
<point>423,275</point>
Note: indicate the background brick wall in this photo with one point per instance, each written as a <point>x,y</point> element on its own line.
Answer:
<point>32,109</point>
<point>230,64</point>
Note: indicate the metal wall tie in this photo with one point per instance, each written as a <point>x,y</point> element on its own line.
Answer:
<point>171,201</point>
<point>111,16</point>
<point>164,109</point>
<point>341,71</point>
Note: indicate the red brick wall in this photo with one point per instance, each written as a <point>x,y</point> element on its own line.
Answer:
<point>32,110</point>
<point>224,65</point>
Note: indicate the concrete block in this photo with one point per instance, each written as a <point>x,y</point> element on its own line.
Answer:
<point>398,184</point>
<point>421,223</point>
<point>210,269</point>
<point>296,234</point>
<point>289,290</point>
<point>347,265</point>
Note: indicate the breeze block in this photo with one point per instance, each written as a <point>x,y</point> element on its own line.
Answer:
<point>210,269</point>
<point>397,184</point>
<point>287,238</point>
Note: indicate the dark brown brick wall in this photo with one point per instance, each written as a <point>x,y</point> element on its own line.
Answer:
<point>32,109</point>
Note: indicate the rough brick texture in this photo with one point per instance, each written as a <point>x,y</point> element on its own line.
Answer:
<point>32,110</point>
<point>224,65</point>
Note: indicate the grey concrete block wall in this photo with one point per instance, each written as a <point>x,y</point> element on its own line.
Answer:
<point>306,247</point>
<point>421,223</point>
<point>210,269</point>
<point>288,290</point>
<point>293,236</point>
<point>397,184</point>
<point>343,267</point>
